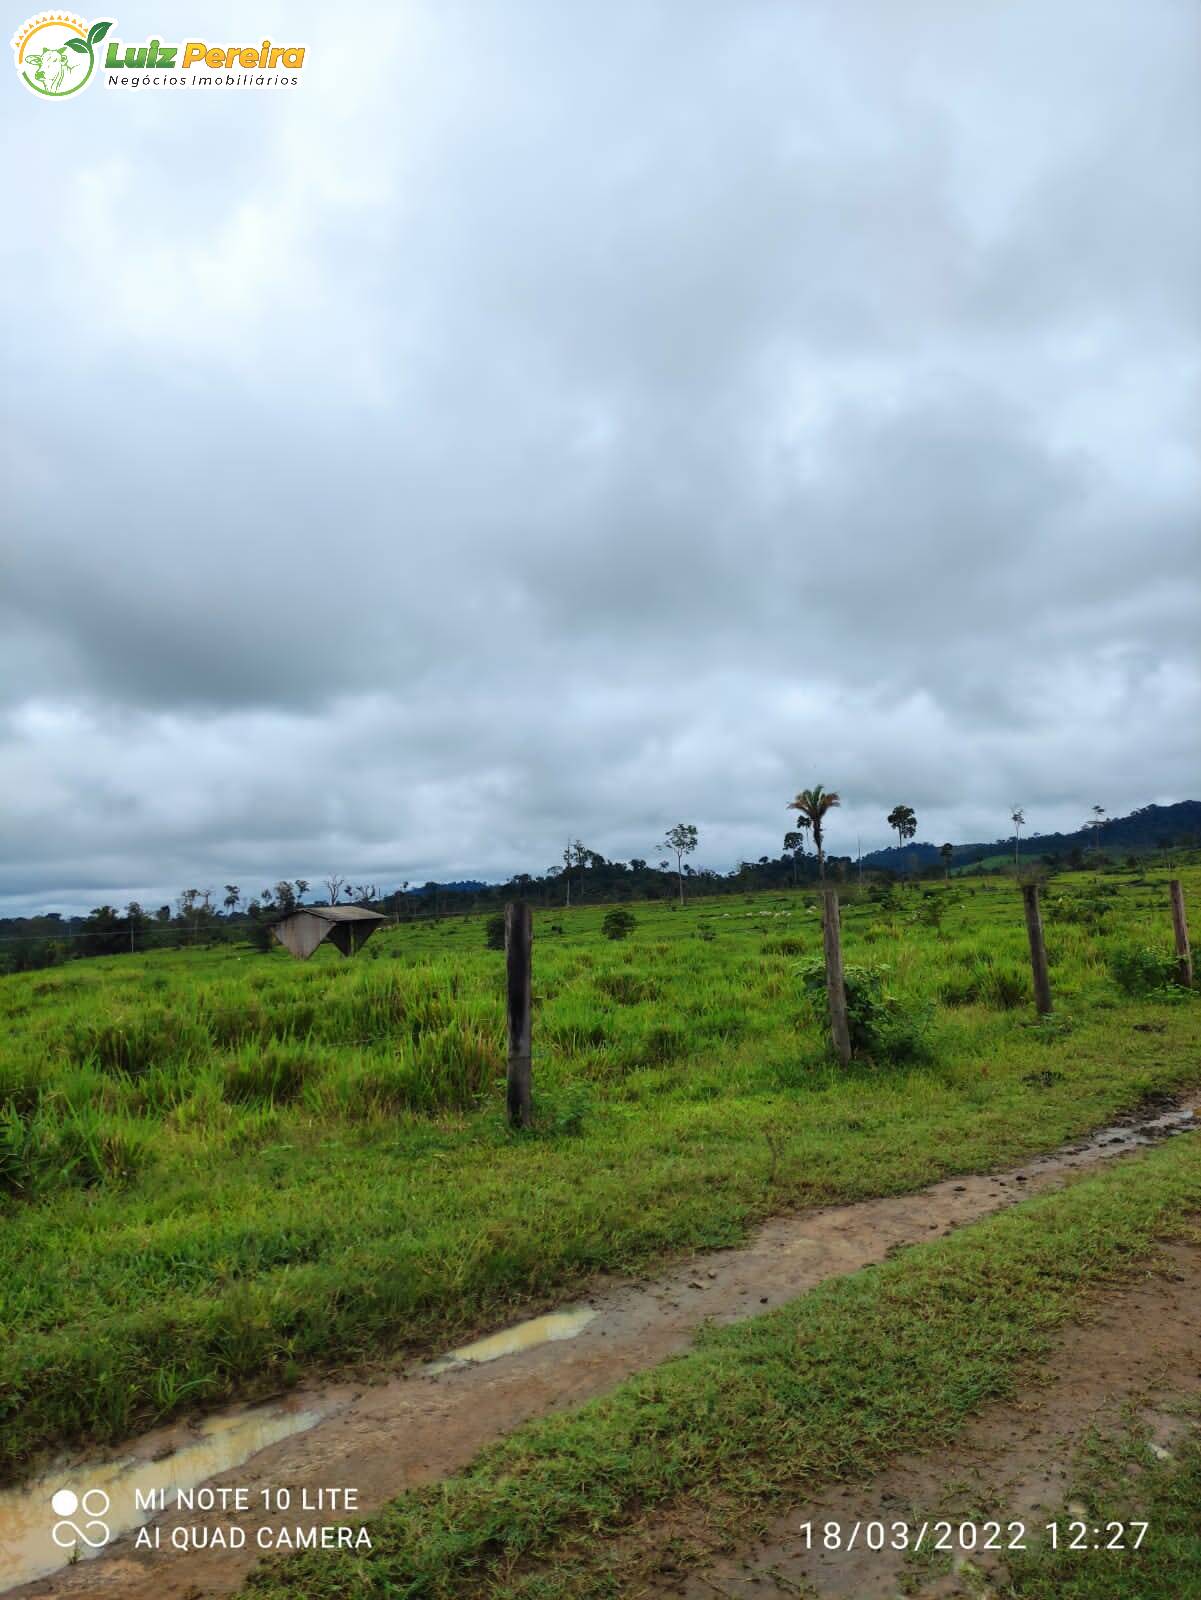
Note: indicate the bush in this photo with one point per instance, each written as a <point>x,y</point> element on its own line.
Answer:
<point>1140,971</point>
<point>618,924</point>
<point>494,932</point>
<point>882,1025</point>
<point>931,910</point>
<point>1091,911</point>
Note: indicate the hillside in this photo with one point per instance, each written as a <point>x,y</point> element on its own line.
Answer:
<point>1148,828</point>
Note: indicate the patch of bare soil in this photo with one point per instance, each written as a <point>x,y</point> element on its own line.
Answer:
<point>1140,1350</point>
<point>423,1424</point>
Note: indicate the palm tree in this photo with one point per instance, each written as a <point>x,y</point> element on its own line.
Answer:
<point>812,805</point>
<point>1018,817</point>
<point>1098,824</point>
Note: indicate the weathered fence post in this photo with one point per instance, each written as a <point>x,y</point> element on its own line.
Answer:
<point>1184,955</point>
<point>519,934</point>
<point>1038,950</point>
<point>836,991</point>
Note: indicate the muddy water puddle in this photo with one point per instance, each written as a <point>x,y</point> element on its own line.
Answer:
<point>549,1329</point>
<point>72,1512</point>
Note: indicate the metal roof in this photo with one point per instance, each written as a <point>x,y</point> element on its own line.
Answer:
<point>347,928</point>
<point>335,914</point>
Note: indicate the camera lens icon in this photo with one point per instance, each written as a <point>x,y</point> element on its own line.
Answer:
<point>92,1506</point>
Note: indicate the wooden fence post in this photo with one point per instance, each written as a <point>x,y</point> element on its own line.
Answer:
<point>519,934</point>
<point>1184,955</point>
<point>1038,950</point>
<point>836,991</point>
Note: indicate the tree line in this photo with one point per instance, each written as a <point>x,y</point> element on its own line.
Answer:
<point>580,875</point>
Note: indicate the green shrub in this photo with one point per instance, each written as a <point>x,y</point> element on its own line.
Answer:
<point>494,932</point>
<point>883,1027</point>
<point>618,923</point>
<point>1138,970</point>
<point>931,910</point>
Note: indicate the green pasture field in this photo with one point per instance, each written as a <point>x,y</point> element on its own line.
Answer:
<point>221,1169</point>
<point>699,1452</point>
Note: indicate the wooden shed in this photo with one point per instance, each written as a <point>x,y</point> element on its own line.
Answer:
<point>347,928</point>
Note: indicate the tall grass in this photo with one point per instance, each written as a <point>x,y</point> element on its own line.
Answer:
<point>291,1163</point>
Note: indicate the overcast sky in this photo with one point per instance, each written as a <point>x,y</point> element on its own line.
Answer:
<point>570,419</point>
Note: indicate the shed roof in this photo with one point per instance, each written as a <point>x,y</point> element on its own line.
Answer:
<point>334,914</point>
<point>347,928</point>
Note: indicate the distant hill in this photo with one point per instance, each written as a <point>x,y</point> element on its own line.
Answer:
<point>1149,828</point>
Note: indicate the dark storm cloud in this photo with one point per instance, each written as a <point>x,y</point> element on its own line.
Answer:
<point>572,419</point>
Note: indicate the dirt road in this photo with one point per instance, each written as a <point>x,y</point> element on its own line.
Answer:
<point>425,1423</point>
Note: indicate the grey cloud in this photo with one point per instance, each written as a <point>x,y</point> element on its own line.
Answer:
<point>597,416</point>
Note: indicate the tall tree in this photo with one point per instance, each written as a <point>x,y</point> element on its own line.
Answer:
<point>794,845</point>
<point>947,852</point>
<point>333,885</point>
<point>1018,817</point>
<point>903,821</point>
<point>1098,824</point>
<point>302,888</point>
<point>682,839</point>
<point>812,805</point>
<point>575,855</point>
<point>232,895</point>
<point>137,920</point>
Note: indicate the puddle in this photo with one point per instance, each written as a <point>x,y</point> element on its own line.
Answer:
<point>87,1506</point>
<point>549,1329</point>
<point>1147,1130</point>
